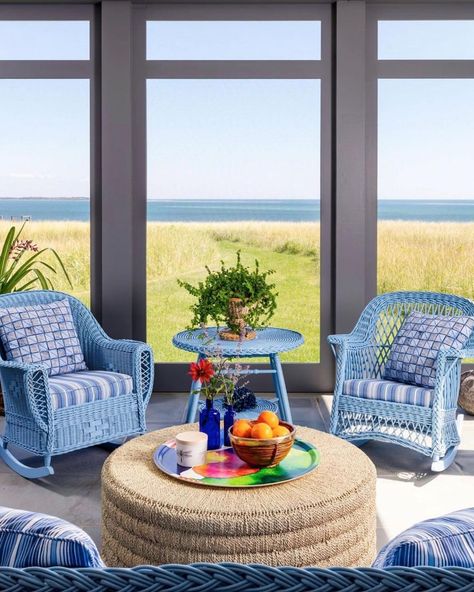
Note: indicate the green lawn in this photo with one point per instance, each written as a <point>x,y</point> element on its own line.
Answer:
<point>296,278</point>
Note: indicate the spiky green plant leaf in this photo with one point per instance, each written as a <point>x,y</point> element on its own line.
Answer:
<point>20,272</point>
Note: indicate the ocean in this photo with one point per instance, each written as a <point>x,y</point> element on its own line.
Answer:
<point>225,210</point>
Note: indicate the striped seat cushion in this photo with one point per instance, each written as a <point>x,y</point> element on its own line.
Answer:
<point>386,390</point>
<point>28,539</point>
<point>438,542</point>
<point>88,386</point>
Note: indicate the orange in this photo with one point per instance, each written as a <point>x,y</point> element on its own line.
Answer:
<point>242,428</point>
<point>269,418</point>
<point>262,431</point>
<point>280,431</point>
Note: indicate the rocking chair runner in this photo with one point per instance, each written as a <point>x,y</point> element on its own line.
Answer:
<point>433,430</point>
<point>35,424</point>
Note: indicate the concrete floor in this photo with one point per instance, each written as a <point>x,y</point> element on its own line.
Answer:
<point>406,489</point>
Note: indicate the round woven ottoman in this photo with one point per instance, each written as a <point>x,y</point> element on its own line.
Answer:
<point>326,518</point>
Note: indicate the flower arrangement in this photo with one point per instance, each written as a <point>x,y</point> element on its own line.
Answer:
<point>218,378</point>
<point>238,296</point>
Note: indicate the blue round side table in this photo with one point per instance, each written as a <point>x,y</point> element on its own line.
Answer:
<point>269,343</point>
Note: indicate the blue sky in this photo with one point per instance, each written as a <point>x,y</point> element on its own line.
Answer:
<point>238,138</point>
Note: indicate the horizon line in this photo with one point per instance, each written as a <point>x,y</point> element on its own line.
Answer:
<point>174,199</point>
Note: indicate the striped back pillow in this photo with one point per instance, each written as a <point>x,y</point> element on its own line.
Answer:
<point>28,539</point>
<point>447,541</point>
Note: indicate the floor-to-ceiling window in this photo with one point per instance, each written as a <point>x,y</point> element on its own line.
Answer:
<point>237,159</point>
<point>425,143</point>
<point>45,131</point>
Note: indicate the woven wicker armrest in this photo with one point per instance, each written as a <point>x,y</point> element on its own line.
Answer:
<point>352,342</point>
<point>126,356</point>
<point>466,353</point>
<point>21,366</point>
<point>448,355</point>
<point>446,390</point>
<point>30,381</point>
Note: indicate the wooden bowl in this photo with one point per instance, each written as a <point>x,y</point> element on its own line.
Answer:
<point>263,453</point>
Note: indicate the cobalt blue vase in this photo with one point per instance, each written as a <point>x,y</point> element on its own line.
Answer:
<point>229,418</point>
<point>210,424</point>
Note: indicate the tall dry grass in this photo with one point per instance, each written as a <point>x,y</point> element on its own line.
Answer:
<point>435,256</point>
<point>411,256</point>
<point>294,238</point>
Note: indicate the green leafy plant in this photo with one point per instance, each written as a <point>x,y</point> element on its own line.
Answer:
<point>22,265</point>
<point>252,287</point>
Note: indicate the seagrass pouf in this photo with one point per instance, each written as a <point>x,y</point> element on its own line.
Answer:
<point>326,518</point>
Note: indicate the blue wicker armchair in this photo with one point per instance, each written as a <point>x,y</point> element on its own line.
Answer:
<point>34,424</point>
<point>434,429</point>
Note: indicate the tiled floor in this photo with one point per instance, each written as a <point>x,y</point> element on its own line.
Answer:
<point>406,489</point>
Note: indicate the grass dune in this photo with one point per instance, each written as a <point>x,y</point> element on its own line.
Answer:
<point>435,256</point>
<point>411,256</point>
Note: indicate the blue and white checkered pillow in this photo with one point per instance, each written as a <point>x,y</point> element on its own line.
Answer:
<point>415,349</point>
<point>42,334</point>
<point>28,539</point>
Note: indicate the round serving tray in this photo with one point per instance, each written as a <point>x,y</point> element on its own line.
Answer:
<point>225,469</point>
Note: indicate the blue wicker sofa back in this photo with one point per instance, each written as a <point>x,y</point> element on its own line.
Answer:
<point>236,578</point>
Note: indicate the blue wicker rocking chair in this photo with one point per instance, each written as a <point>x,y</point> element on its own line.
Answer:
<point>32,423</point>
<point>430,430</point>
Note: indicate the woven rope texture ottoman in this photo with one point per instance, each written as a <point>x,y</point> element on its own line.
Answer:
<point>326,518</point>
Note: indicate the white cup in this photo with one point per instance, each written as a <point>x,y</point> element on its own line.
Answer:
<point>191,449</point>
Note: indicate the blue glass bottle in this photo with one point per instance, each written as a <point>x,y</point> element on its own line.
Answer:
<point>210,424</point>
<point>229,418</point>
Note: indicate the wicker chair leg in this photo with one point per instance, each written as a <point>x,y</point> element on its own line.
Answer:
<point>22,469</point>
<point>441,464</point>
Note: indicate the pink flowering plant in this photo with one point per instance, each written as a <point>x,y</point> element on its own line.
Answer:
<point>22,264</point>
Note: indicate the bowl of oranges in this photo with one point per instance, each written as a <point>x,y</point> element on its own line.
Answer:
<point>263,442</point>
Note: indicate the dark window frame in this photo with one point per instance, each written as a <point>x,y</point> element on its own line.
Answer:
<point>69,70</point>
<point>303,377</point>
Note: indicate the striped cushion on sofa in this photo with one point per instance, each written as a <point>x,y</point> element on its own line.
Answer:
<point>438,542</point>
<point>28,539</point>
<point>77,388</point>
<point>386,390</point>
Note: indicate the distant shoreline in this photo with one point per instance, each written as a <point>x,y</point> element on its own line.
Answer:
<point>235,210</point>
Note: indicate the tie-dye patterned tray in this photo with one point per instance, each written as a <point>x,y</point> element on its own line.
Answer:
<point>225,469</point>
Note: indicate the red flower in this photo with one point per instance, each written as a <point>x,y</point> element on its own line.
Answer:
<point>201,371</point>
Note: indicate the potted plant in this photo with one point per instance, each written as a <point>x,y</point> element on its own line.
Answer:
<point>240,297</point>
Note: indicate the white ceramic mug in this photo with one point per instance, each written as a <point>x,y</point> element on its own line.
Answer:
<point>191,449</point>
